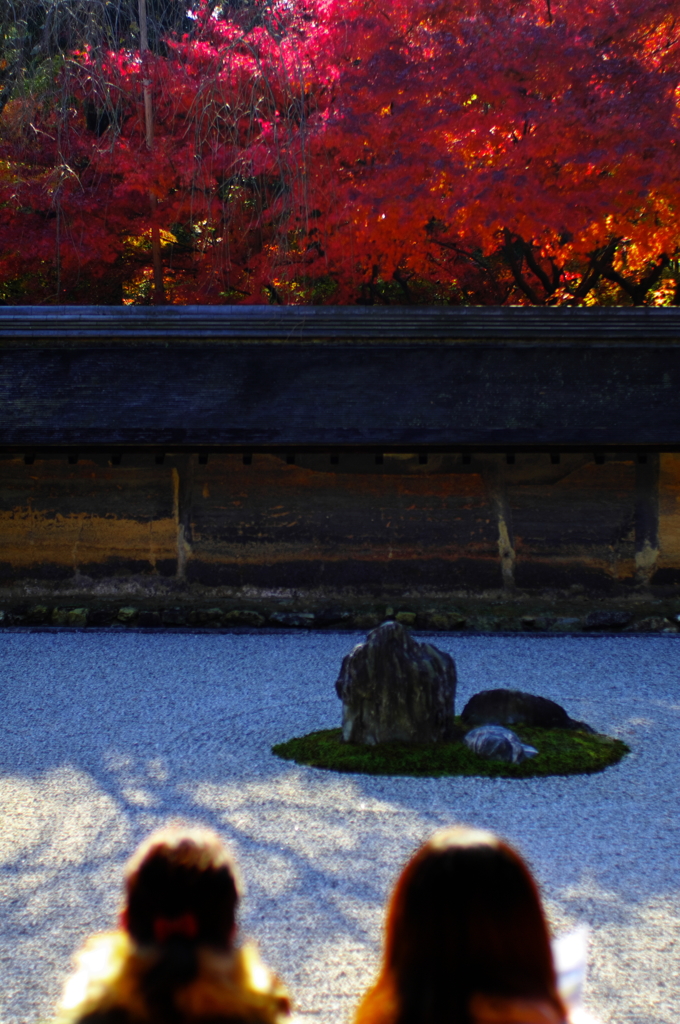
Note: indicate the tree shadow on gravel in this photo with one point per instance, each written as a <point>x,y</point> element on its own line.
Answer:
<point>105,738</point>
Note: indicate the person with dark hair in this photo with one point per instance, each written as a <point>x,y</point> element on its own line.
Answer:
<point>466,940</point>
<point>174,959</point>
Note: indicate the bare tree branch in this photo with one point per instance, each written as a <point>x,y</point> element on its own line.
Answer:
<point>516,268</point>
<point>637,291</point>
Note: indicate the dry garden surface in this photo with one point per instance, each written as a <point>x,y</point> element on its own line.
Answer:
<point>106,735</point>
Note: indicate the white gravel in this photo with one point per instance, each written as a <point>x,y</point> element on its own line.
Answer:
<point>104,736</point>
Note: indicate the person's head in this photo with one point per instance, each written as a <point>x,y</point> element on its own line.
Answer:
<point>181,884</point>
<point>465,918</point>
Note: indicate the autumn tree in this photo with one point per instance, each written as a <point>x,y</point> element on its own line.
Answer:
<point>38,42</point>
<point>79,169</point>
<point>37,35</point>
<point>353,151</point>
<point>508,152</point>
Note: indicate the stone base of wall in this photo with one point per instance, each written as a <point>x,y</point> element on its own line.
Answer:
<point>482,614</point>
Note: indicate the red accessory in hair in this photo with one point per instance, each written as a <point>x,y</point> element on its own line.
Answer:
<point>165,927</point>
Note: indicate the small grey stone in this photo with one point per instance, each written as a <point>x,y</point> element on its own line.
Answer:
<point>434,619</point>
<point>394,689</point>
<point>127,614</point>
<point>292,620</point>
<point>243,617</point>
<point>494,743</point>
<point>77,617</point>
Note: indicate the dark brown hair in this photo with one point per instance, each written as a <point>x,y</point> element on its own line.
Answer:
<point>182,889</point>
<point>465,918</point>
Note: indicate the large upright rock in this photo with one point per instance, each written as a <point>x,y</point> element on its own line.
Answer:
<point>393,688</point>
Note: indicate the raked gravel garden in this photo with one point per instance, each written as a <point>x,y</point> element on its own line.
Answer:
<point>106,734</point>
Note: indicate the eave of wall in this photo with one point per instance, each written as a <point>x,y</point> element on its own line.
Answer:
<point>249,377</point>
<point>597,325</point>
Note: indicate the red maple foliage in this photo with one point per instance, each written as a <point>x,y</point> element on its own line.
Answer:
<point>352,151</point>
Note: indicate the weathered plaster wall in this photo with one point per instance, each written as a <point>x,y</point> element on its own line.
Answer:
<point>668,568</point>
<point>333,530</point>
<point>576,528</point>
<point>360,527</point>
<point>58,520</point>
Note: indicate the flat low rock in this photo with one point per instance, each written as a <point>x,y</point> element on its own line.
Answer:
<point>494,743</point>
<point>514,707</point>
<point>395,689</point>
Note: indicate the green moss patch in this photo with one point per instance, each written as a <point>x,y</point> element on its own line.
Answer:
<point>560,752</point>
